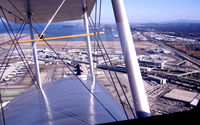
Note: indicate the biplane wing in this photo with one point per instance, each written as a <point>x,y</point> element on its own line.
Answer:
<point>42,10</point>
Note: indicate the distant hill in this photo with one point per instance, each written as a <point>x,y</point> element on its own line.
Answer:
<point>182,21</point>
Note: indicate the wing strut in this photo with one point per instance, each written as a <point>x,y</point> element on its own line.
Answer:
<point>34,49</point>
<point>134,75</point>
<point>85,18</point>
<point>37,69</point>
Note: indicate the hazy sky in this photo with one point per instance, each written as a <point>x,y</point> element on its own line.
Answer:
<point>155,10</point>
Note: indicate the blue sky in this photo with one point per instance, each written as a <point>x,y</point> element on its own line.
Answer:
<point>155,10</point>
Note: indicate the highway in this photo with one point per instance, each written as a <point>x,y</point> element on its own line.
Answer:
<point>181,54</point>
<point>174,50</point>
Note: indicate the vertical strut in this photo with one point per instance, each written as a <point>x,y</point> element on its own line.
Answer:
<point>34,48</point>
<point>85,18</point>
<point>2,110</point>
<point>134,75</point>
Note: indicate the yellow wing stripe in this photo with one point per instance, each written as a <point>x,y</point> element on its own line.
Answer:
<point>56,38</point>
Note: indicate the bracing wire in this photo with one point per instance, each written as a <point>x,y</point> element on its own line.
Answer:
<point>51,19</point>
<point>118,79</point>
<point>16,8</point>
<point>112,79</point>
<point>12,13</point>
<point>114,85</point>
<point>24,60</point>
<point>9,49</point>
<point>17,44</point>
<point>18,35</point>
<point>99,39</point>
<point>20,12</point>
<point>119,82</point>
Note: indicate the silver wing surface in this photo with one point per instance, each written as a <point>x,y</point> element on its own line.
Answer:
<point>66,101</point>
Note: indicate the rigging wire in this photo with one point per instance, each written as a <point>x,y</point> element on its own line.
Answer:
<point>2,109</point>
<point>18,45</point>
<point>51,19</point>
<point>112,79</point>
<point>119,82</point>
<point>24,59</point>
<point>9,49</point>
<point>99,39</point>
<point>18,35</point>
<point>16,8</point>
<point>21,13</point>
<point>11,13</point>
<point>115,87</point>
<point>80,80</point>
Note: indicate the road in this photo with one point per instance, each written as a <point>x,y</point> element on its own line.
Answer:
<point>178,52</point>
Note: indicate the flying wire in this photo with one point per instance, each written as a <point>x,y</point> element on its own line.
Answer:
<point>112,79</point>
<point>99,39</point>
<point>51,19</point>
<point>24,60</point>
